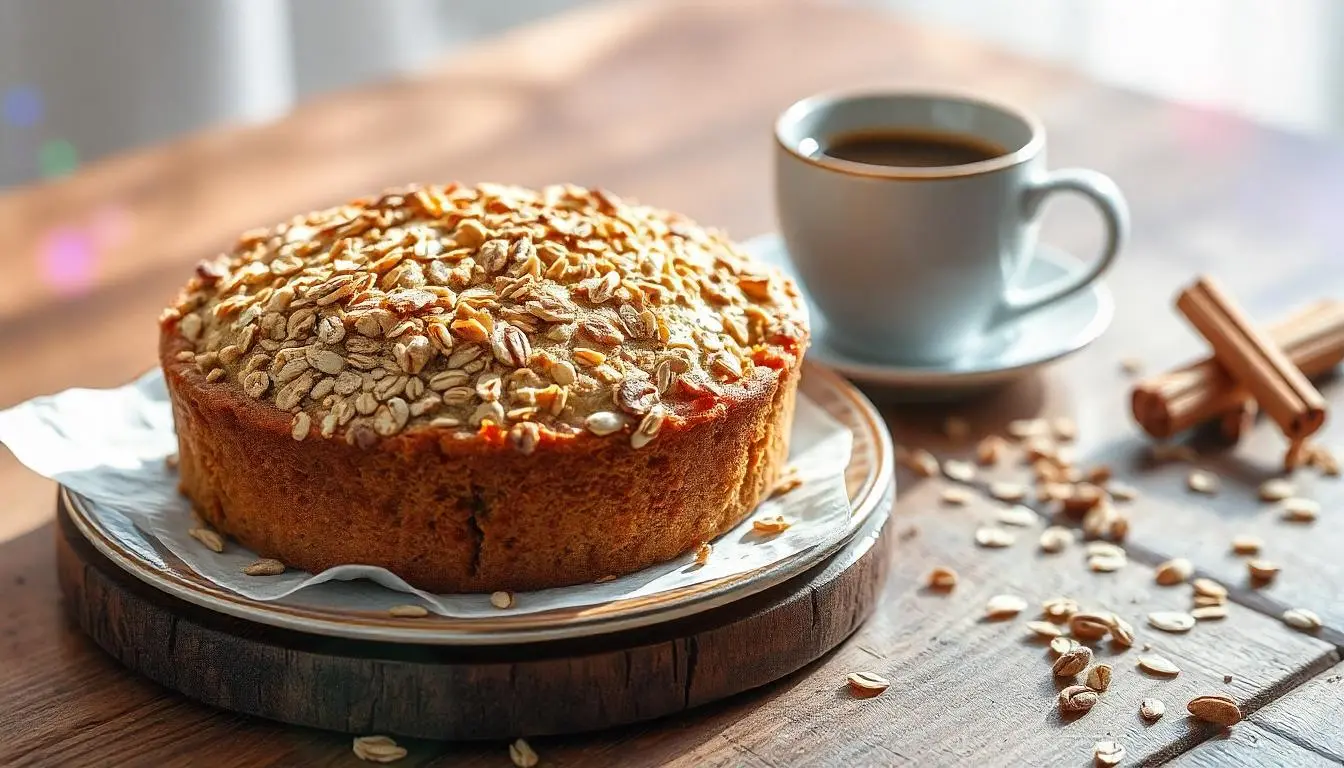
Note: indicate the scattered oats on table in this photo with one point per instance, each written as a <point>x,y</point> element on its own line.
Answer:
<point>1099,475</point>
<point>1098,521</point>
<point>1171,621</point>
<point>1262,570</point>
<point>1055,539</point>
<point>1119,526</point>
<point>1018,515</point>
<point>1152,709</point>
<point>1046,471</point>
<point>1302,619</point>
<point>961,471</point>
<point>1104,549</point>
<point>1045,629</point>
<point>919,461</point>
<point>990,449</point>
<point>1042,448</point>
<point>1122,632</point>
<point>1209,588</point>
<point>1059,608</point>
<point>1323,459</point>
<point>993,537</point>
<point>1009,492</point>
<point>1025,428</point>
<point>1299,510</point>
<point>1062,645</point>
<point>1099,677</point>
<point>1082,498</point>
<point>1202,482</point>
<point>1121,492</point>
<point>1004,606</point>
<point>1108,754</point>
<point>522,755</point>
<point>1065,428</point>
<point>501,599</point>
<point>1175,571</point>
<point>1069,664</point>
<point>1209,612</point>
<point>1217,708</point>
<point>1049,491</point>
<point>1131,366</point>
<point>1246,544</point>
<point>866,685</point>
<point>1077,698</point>
<point>409,611</point>
<point>1159,665</point>
<point>1089,625</point>
<point>957,495</point>
<point>942,577</point>
<point>377,749</point>
<point>1276,489</point>
<point>1107,563</point>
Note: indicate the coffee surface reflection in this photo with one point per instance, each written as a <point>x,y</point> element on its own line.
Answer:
<point>911,148</point>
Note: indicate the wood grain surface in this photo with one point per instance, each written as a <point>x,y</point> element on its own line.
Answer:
<point>1310,715</point>
<point>479,693</point>
<point>672,103</point>
<point>1250,744</point>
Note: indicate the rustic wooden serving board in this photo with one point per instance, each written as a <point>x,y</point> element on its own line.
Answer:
<point>472,692</point>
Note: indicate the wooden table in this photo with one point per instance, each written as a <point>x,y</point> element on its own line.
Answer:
<point>673,104</point>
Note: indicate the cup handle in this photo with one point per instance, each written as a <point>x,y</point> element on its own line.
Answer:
<point>1103,193</point>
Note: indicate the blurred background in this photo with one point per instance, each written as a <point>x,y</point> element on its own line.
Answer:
<point>82,79</point>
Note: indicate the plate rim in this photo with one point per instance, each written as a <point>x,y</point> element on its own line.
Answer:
<point>557,624</point>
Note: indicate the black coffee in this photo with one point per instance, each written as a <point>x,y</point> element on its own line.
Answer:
<point>912,149</point>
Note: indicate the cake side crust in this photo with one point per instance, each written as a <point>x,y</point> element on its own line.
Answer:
<point>472,515</point>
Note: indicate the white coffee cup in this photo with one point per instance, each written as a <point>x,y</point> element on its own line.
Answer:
<point>916,263</point>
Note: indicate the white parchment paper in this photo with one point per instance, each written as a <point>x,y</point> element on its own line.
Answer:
<point>109,447</point>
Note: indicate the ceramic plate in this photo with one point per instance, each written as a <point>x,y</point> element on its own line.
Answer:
<point>868,478</point>
<point>1011,351</point>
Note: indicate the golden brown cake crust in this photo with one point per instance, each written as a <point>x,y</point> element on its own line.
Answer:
<point>468,516</point>
<point>615,389</point>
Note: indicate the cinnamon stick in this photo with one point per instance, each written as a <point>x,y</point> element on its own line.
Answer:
<point>1172,402</point>
<point>1254,360</point>
<point>1237,422</point>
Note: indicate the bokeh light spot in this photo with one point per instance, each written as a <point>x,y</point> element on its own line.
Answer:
<point>56,157</point>
<point>67,260</point>
<point>21,106</point>
<point>111,224</point>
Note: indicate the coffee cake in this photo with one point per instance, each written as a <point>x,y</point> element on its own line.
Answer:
<point>482,388</point>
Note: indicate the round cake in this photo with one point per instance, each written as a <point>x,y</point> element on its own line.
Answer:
<point>482,388</point>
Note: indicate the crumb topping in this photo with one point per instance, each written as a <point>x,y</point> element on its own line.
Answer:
<point>487,309</point>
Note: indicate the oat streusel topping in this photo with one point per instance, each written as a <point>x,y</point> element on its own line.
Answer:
<point>487,308</point>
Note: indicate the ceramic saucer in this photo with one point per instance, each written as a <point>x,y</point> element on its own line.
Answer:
<point>1007,353</point>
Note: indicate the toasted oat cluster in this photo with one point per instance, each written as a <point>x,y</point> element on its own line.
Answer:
<point>487,309</point>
